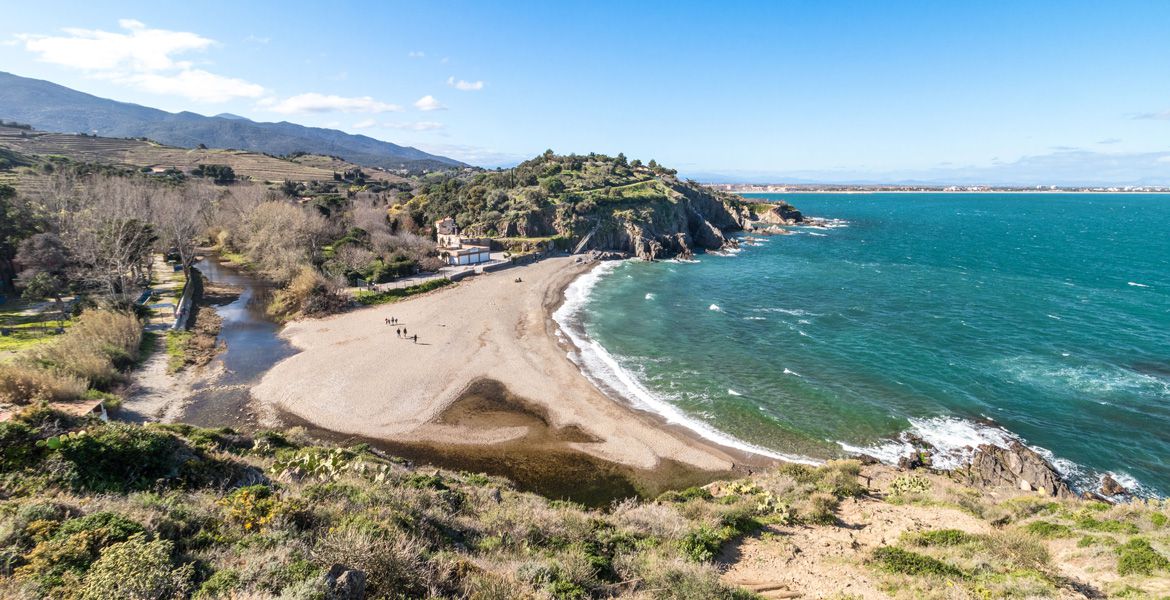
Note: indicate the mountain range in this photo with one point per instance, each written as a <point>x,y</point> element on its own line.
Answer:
<point>51,107</point>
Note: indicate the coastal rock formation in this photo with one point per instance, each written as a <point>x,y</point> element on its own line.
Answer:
<point>1110,487</point>
<point>1015,466</point>
<point>685,220</point>
<point>781,213</point>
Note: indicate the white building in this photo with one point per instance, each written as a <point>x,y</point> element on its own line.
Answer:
<point>454,250</point>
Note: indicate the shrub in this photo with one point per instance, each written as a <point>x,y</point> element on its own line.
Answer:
<point>897,560</point>
<point>942,537</point>
<point>1106,525</point>
<point>251,507</point>
<point>73,547</point>
<point>839,478</point>
<point>691,493</point>
<point>909,484</point>
<point>120,457</point>
<point>702,544</point>
<point>1018,549</point>
<point>17,446</point>
<point>393,563</point>
<point>1137,557</point>
<point>136,570</point>
<point>308,294</point>
<point>1048,530</point>
<point>822,509</point>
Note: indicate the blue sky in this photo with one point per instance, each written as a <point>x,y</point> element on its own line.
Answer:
<point>1040,91</point>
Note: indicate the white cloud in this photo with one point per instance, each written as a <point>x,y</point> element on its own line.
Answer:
<point>322,103</point>
<point>1164,159</point>
<point>141,57</point>
<point>416,54</point>
<point>366,124</point>
<point>196,84</point>
<point>1157,116</point>
<point>428,103</point>
<point>464,86</point>
<point>416,126</point>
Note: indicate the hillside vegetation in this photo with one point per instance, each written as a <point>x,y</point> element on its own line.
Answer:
<point>103,510</point>
<point>593,201</point>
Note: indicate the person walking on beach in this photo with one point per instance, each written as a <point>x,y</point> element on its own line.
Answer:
<point>404,334</point>
<point>398,332</point>
<point>416,338</point>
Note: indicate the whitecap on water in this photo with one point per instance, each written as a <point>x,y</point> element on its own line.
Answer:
<point>714,307</point>
<point>733,392</point>
<point>649,296</point>
<point>788,371</point>
<point>1088,379</point>
<point>1136,284</point>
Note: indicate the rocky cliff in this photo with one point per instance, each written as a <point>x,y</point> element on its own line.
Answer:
<point>585,203</point>
<point>686,219</point>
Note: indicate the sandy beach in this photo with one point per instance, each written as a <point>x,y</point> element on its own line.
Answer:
<point>489,372</point>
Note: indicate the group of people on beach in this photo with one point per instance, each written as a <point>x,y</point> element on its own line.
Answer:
<point>401,331</point>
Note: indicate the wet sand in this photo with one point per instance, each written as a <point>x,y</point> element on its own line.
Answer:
<point>489,387</point>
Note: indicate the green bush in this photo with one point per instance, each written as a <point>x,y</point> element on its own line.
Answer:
<point>1106,525</point>
<point>136,569</point>
<point>18,448</point>
<point>1048,530</point>
<point>691,493</point>
<point>68,552</point>
<point>904,562</point>
<point>942,537</point>
<point>220,584</point>
<point>1137,557</point>
<point>702,544</point>
<point>120,457</point>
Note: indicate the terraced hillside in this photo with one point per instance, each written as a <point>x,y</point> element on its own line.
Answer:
<point>142,153</point>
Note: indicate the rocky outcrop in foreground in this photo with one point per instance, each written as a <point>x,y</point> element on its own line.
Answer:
<point>1016,466</point>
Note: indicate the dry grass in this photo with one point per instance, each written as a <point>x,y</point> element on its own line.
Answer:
<point>21,385</point>
<point>95,350</point>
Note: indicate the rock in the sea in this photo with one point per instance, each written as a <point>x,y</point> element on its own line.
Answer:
<point>1016,466</point>
<point>608,255</point>
<point>343,583</point>
<point>1110,487</point>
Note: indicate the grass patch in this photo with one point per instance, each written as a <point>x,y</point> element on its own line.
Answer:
<point>1048,530</point>
<point>1137,557</point>
<point>905,562</point>
<point>1106,525</point>
<point>177,341</point>
<point>396,294</point>
<point>942,537</point>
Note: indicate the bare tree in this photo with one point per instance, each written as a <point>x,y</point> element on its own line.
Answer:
<point>279,238</point>
<point>105,222</point>
<point>180,215</point>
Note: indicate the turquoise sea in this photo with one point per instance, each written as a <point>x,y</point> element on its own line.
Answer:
<point>961,318</point>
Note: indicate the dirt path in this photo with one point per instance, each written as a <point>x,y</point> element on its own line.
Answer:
<point>154,394</point>
<point>823,562</point>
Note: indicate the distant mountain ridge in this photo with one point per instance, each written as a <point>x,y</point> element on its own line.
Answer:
<point>52,107</point>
